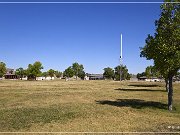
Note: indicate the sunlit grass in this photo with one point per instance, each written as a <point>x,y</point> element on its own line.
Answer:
<point>77,106</point>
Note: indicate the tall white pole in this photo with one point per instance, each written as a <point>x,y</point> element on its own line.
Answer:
<point>121,46</point>
<point>121,61</point>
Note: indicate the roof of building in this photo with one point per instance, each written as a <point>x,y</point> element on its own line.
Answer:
<point>95,75</point>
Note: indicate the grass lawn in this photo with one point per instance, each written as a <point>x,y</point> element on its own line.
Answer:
<point>87,106</point>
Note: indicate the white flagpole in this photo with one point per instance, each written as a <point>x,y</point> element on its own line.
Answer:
<point>121,46</point>
<point>121,61</point>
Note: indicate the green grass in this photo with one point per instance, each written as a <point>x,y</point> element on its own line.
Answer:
<point>87,106</point>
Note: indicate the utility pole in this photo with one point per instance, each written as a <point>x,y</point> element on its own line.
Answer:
<point>121,61</point>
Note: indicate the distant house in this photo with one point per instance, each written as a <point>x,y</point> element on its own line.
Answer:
<point>95,76</point>
<point>142,78</point>
<point>152,79</point>
<point>44,78</point>
<point>10,74</point>
<point>86,77</point>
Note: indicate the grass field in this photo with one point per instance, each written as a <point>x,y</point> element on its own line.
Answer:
<point>84,106</point>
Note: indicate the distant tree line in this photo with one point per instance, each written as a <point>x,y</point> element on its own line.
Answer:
<point>150,72</point>
<point>34,70</point>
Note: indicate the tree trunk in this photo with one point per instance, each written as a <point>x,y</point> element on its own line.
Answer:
<point>167,84</point>
<point>170,94</point>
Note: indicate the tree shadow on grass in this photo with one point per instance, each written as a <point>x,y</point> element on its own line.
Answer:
<point>134,103</point>
<point>144,85</point>
<point>143,90</point>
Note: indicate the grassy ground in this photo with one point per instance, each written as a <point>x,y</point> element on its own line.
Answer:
<point>82,106</point>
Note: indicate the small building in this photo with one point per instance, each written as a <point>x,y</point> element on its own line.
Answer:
<point>44,78</point>
<point>152,79</point>
<point>95,76</point>
<point>86,78</point>
<point>40,78</point>
<point>10,74</point>
<point>49,78</point>
<point>25,78</point>
<point>143,78</point>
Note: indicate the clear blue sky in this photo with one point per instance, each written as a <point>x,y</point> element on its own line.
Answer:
<point>60,34</point>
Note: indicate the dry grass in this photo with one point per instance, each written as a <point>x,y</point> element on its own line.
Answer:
<point>96,106</point>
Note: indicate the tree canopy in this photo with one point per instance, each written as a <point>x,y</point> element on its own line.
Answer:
<point>108,73</point>
<point>44,74</point>
<point>151,71</point>
<point>2,69</point>
<point>58,74</point>
<point>51,73</point>
<point>20,72</point>
<point>141,74</point>
<point>78,70</point>
<point>69,72</point>
<point>34,70</point>
<point>124,73</point>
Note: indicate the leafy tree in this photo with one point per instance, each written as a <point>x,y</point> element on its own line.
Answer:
<point>69,72</point>
<point>164,46</point>
<point>58,74</point>
<point>34,70</point>
<point>81,74</point>
<point>141,74</point>
<point>44,74</point>
<point>108,73</point>
<point>51,73</point>
<point>151,71</point>
<point>78,69</point>
<point>124,73</point>
<point>148,71</point>
<point>20,72</point>
<point>2,69</point>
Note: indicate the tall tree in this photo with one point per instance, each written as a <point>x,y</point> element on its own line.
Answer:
<point>124,73</point>
<point>69,72</point>
<point>44,74</point>
<point>34,70</point>
<point>148,71</point>
<point>51,73</point>
<point>141,75</point>
<point>164,46</point>
<point>58,74</point>
<point>2,69</point>
<point>151,71</point>
<point>20,72</point>
<point>108,73</point>
<point>81,74</point>
<point>78,69</point>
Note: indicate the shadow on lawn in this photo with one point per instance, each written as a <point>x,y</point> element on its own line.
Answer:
<point>122,89</point>
<point>134,103</point>
<point>144,85</point>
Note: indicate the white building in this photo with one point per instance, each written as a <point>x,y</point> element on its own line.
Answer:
<point>44,78</point>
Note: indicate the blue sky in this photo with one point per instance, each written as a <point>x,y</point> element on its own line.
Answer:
<point>60,34</point>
